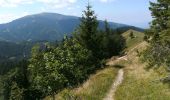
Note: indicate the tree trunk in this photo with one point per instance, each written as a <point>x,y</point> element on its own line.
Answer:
<point>53,96</point>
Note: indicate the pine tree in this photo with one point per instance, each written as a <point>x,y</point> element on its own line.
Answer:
<point>111,42</point>
<point>88,29</point>
<point>160,26</point>
<point>131,35</point>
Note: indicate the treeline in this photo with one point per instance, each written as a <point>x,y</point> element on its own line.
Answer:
<point>65,65</point>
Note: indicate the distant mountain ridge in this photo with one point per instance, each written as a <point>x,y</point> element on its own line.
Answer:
<point>44,26</point>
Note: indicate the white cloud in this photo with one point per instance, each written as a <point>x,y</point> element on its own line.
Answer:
<point>9,17</point>
<point>14,3</point>
<point>52,3</point>
<point>4,17</point>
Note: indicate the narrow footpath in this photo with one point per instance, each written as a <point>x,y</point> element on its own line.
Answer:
<point>115,84</point>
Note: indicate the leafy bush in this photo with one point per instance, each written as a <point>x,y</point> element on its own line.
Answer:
<point>157,55</point>
<point>66,65</point>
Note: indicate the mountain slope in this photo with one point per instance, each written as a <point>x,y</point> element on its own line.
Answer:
<point>44,26</point>
<point>132,42</point>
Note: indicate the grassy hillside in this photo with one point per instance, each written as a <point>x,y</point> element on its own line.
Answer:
<point>140,84</point>
<point>132,42</point>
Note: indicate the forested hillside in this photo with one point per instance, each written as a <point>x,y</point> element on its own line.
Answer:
<point>11,50</point>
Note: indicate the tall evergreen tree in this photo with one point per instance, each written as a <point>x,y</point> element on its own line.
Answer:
<point>88,29</point>
<point>160,25</point>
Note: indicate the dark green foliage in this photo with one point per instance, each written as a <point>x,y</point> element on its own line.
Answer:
<point>44,74</point>
<point>7,66</point>
<point>131,35</point>
<point>14,51</point>
<point>66,65</point>
<point>160,24</point>
<point>104,43</point>
<point>88,30</point>
<point>111,43</point>
<point>16,92</point>
<point>16,84</point>
<point>157,54</point>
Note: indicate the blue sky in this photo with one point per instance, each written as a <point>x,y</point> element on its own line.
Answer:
<point>131,12</point>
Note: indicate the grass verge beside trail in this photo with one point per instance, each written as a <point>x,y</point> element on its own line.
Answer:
<point>142,89</point>
<point>140,84</point>
<point>95,88</point>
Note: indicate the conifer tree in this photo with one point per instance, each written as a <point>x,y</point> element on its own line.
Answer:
<point>131,35</point>
<point>111,42</point>
<point>88,29</point>
<point>160,26</point>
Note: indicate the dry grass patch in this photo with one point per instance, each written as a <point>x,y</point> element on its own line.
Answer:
<point>141,84</point>
<point>143,88</point>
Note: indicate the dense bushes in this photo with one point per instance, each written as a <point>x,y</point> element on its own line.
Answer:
<point>16,84</point>
<point>66,65</point>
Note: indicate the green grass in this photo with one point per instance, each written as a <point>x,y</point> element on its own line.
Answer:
<point>132,42</point>
<point>140,84</point>
<point>99,85</point>
<point>142,89</point>
<point>95,88</point>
